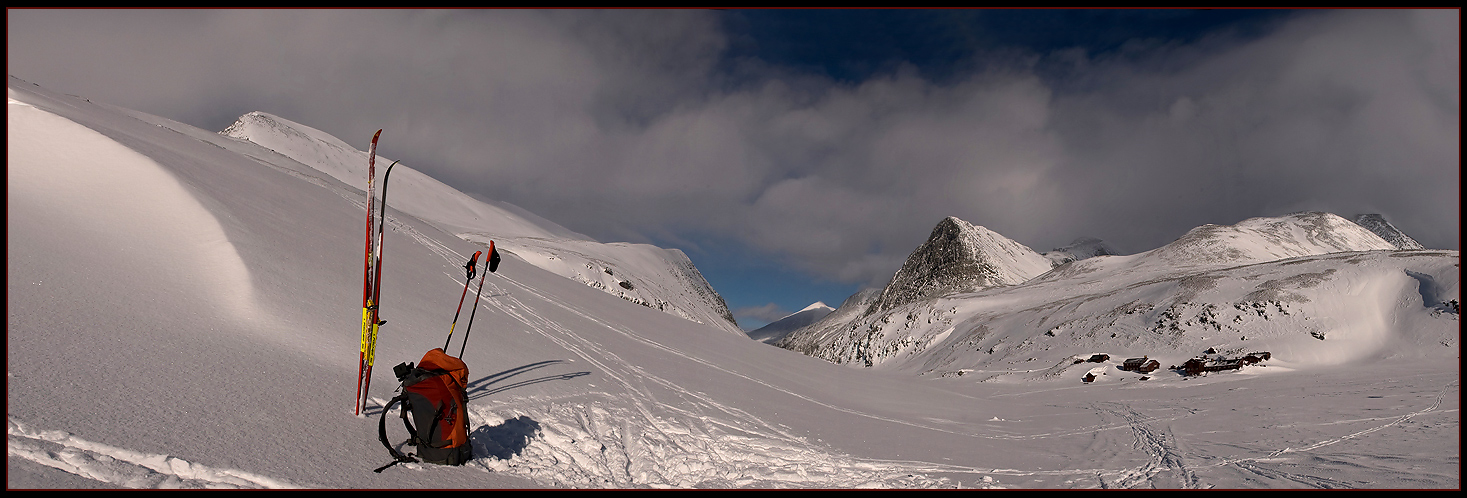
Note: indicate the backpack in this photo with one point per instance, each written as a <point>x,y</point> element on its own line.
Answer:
<point>434,392</point>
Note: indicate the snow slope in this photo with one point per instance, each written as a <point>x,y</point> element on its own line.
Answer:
<point>777,329</point>
<point>412,191</point>
<point>1081,248</point>
<point>1378,225</point>
<point>664,279</point>
<point>182,312</point>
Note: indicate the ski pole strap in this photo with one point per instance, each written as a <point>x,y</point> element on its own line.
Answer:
<point>469,267</point>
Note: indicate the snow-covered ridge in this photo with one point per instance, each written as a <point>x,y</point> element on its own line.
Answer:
<point>1081,248</point>
<point>1262,239</point>
<point>777,329</point>
<point>1378,225</point>
<point>831,327</point>
<point>1284,283</point>
<point>412,191</point>
<point>644,274</point>
<point>662,279</point>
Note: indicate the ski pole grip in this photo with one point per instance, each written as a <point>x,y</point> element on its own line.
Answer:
<point>469,268</point>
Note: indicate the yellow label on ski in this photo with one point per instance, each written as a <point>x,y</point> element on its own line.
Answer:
<point>372,346</point>
<point>366,328</point>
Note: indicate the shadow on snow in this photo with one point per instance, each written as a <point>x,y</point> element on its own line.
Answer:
<point>487,385</point>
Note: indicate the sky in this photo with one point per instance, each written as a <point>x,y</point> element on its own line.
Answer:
<point>800,155</point>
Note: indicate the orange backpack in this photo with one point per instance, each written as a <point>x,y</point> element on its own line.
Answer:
<point>435,392</point>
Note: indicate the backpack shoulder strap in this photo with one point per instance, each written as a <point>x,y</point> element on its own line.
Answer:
<point>397,456</point>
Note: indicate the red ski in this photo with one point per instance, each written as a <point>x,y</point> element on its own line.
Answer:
<point>369,306</point>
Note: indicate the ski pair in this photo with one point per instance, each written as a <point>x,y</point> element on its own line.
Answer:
<point>371,277</point>
<point>491,264</point>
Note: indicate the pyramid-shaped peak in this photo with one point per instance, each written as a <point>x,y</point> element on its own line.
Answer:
<point>960,257</point>
<point>818,305</point>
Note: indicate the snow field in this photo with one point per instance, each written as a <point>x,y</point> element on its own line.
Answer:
<point>121,467</point>
<point>601,444</point>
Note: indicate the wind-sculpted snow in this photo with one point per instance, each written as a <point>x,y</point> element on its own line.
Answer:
<point>144,214</point>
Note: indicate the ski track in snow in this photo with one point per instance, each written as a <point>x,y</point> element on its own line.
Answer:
<point>1252,464</point>
<point>597,441</point>
<point>804,464</point>
<point>632,440</point>
<point>1436,404</point>
<point>1168,467</point>
<point>124,468</point>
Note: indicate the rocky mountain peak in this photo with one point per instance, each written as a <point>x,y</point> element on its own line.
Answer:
<point>960,257</point>
<point>1378,225</point>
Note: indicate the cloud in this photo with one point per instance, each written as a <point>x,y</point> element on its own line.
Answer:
<point>763,314</point>
<point>1341,111</point>
<point>634,126</point>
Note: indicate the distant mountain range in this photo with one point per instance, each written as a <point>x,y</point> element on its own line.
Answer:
<point>1314,287</point>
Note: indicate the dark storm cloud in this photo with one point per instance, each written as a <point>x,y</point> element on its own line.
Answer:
<point>634,125</point>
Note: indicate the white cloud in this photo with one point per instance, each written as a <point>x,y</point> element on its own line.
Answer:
<point>765,313</point>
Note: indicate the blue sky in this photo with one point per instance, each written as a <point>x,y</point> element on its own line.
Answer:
<point>799,155</point>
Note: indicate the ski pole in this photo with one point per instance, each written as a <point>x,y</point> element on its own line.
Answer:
<point>491,263</point>
<point>469,269</point>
